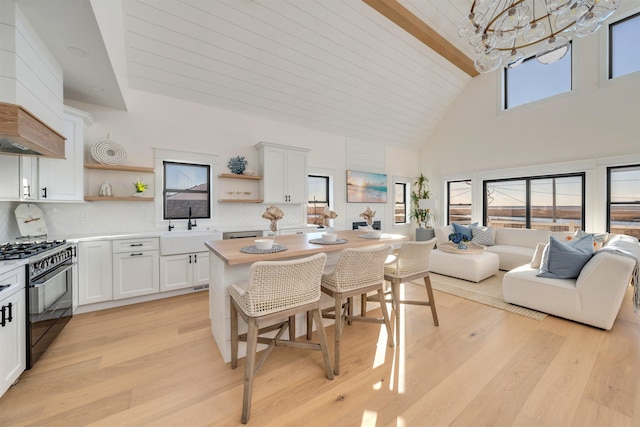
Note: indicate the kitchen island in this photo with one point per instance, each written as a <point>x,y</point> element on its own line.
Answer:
<point>228,265</point>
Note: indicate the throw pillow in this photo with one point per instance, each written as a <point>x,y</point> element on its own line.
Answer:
<point>565,260</point>
<point>465,230</point>
<point>536,261</point>
<point>598,238</point>
<point>482,235</point>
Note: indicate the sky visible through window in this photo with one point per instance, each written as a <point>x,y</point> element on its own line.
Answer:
<point>532,81</point>
<point>625,47</point>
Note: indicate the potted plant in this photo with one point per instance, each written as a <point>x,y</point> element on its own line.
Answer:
<point>423,216</point>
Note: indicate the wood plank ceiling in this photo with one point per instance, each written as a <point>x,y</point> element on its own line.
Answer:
<point>334,65</point>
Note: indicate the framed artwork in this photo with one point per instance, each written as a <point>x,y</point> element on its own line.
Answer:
<point>366,187</point>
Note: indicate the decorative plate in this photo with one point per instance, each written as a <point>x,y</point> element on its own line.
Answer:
<point>322,242</point>
<point>253,250</point>
<point>30,220</point>
<point>366,236</point>
<point>109,153</point>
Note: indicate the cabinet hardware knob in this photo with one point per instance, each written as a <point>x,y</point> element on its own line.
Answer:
<point>189,259</point>
<point>136,244</point>
<point>138,254</point>
<point>44,192</point>
<point>195,258</point>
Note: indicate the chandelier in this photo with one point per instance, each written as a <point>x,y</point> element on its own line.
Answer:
<point>505,32</point>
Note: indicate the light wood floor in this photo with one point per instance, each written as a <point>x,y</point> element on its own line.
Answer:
<point>156,364</point>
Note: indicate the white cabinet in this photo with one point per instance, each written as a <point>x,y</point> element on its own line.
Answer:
<point>284,171</point>
<point>9,175</point>
<point>13,333</point>
<point>184,271</point>
<point>95,272</point>
<point>136,267</point>
<point>63,179</point>
<point>28,178</point>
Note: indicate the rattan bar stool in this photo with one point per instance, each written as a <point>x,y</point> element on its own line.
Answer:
<point>276,290</point>
<point>411,263</point>
<point>357,272</point>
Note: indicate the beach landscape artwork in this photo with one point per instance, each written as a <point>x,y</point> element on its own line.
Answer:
<point>366,187</point>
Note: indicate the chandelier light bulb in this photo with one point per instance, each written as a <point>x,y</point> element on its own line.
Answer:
<point>553,50</point>
<point>534,33</point>
<point>513,59</point>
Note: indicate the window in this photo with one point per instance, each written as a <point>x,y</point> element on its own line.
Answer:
<point>623,196</point>
<point>532,81</point>
<point>459,198</point>
<point>318,198</point>
<point>400,206</point>
<point>553,202</point>
<point>624,49</point>
<point>187,191</point>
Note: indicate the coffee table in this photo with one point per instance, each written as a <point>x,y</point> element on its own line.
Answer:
<point>474,266</point>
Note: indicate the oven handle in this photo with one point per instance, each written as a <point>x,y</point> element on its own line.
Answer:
<point>50,276</point>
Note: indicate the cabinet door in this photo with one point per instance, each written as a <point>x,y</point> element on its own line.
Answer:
<point>28,178</point>
<point>62,179</point>
<point>201,269</point>
<point>13,345</point>
<point>95,272</point>
<point>296,183</point>
<point>10,177</point>
<point>274,180</point>
<point>135,274</point>
<point>176,272</point>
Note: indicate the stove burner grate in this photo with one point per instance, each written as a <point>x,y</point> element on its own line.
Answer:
<point>21,250</point>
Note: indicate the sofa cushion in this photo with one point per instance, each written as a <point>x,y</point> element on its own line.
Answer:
<point>565,260</point>
<point>521,237</point>
<point>482,235</point>
<point>465,230</point>
<point>442,233</point>
<point>536,261</point>
<point>511,256</point>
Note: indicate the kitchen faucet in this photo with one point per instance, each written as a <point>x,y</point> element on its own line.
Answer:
<point>189,223</point>
<point>171,227</point>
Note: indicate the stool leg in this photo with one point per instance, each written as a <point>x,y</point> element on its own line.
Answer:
<point>363,305</point>
<point>385,316</point>
<point>292,328</point>
<point>338,328</point>
<point>323,341</point>
<point>234,334</point>
<point>395,303</point>
<point>250,368</point>
<point>309,325</point>
<point>432,302</point>
<point>349,309</point>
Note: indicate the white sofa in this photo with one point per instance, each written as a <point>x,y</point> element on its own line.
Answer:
<point>514,246</point>
<point>594,298</point>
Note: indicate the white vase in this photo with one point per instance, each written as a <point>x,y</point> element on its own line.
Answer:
<point>138,194</point>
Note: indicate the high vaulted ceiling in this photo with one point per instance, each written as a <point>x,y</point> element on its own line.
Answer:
<point>338,66</point>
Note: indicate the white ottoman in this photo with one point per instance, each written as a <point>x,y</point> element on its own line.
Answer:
<point>472,267</point>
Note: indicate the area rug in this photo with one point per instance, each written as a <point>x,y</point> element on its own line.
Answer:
<point>488,292</point>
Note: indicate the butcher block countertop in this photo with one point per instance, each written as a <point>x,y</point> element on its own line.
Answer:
<point>297,245</point>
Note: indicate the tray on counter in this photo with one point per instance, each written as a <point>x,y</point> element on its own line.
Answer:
<point>322,242</point>
<point>255,251</point>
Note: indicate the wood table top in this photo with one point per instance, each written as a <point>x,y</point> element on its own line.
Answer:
<point>297,245</point>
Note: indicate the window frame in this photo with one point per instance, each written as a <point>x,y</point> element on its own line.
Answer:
<point>609,202</point>
<point>327,192</point>
<point>506,71</point>
<point>610,27</point>
<point>449,198</point>
<point>527,180</point>
<point>405,197</point>
<point>166,190</point>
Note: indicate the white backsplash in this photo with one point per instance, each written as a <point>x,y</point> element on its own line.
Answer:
<point>95,218</point>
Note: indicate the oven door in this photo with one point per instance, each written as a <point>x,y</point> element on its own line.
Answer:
<point>50,301</point>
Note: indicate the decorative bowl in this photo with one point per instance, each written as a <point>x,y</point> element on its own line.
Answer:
<point>375,234</point>
<point>263,244</point>
<point>329,237</point>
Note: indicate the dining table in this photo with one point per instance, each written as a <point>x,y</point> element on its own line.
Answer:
<point>230,261</point>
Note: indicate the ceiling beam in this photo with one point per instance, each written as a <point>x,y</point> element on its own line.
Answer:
<point>406,20</point>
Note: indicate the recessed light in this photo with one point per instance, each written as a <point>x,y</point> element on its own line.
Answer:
<point>77,51</point>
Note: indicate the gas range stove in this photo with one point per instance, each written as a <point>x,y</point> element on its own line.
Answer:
<point>20,250</point>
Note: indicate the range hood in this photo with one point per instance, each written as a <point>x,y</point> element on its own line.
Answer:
<point>22,133</point>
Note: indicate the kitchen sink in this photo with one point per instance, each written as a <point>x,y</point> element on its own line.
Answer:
<point>182,242</point>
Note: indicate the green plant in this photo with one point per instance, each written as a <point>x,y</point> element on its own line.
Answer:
<point>420,191</point>
<point>140,186</point>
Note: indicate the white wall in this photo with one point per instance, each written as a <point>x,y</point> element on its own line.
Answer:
<point>155,121</point>
<point>598,120</point>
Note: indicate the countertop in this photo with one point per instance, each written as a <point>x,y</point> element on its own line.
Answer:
<point>9,265</point>
<point>297,245</point>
